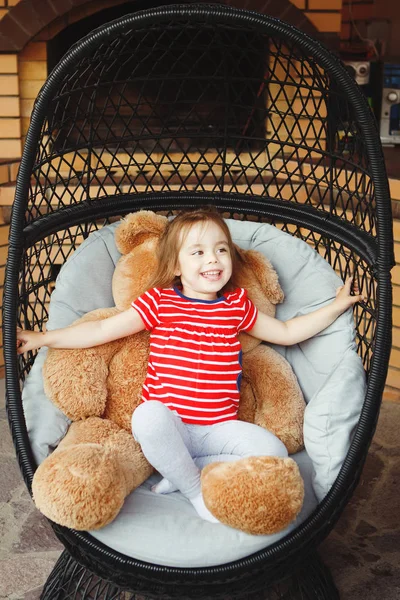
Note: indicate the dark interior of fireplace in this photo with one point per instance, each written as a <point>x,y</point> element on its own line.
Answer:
<point>128,107</point>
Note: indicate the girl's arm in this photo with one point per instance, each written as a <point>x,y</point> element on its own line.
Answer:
<point>82,335</point>
<point>302,328</point>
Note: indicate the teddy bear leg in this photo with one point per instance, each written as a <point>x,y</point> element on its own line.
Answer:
<point>271,396</point>
<point>83,484</point>
<point>259,495</point>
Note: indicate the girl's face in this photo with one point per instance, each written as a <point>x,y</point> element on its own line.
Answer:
<point>204,261</point>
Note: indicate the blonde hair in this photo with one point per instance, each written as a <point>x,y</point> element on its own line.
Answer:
<point>171,242</point>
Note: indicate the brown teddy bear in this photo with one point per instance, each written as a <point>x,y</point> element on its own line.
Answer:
<point>83,483</point>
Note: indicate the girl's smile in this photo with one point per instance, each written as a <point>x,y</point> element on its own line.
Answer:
<point>212,275</point>
<point>204,261</point>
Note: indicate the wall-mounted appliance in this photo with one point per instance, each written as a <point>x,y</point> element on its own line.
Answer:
<point>390,108</point>
<point>359,69</point>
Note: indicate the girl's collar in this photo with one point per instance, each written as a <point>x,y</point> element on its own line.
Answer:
<point>179,293</point>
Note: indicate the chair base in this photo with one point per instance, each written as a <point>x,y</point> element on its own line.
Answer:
<point>69,580</point>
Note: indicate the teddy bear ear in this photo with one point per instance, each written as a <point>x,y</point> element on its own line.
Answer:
<point>136,227</point>
<point>263,272</point>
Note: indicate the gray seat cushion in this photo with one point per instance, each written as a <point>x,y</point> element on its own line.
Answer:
<point>165,529</point>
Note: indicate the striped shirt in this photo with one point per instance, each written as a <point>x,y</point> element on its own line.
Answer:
<point>195,354</point>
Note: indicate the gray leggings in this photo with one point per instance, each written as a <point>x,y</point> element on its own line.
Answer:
<point>179,451</point>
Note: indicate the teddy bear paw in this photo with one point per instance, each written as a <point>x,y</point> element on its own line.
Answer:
<point>259,495</point>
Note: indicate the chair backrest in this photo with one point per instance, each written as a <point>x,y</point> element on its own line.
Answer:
<point>190,105</point>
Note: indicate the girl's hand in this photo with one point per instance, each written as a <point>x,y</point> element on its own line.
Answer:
<point>28,340</point>
<point>344,297</point>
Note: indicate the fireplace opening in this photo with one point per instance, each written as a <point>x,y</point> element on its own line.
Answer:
<point>214,95</point>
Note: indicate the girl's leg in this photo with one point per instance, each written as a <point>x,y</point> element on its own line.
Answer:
<point>166,487</point>
<point>227,442</point>
<point>166,444</point>
<point>236,439</point>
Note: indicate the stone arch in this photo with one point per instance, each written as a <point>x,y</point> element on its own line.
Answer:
<point>26,19</point>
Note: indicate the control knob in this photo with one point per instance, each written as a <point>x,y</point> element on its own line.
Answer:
<point>392,97</point>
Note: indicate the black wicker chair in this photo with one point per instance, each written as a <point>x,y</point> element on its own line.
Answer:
<point>190,105</point>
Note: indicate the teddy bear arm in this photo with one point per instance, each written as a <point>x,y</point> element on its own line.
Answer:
<point>127,372</point>
<point>75,379</point>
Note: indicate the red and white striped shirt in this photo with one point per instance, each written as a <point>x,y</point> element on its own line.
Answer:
<point>195,354</point>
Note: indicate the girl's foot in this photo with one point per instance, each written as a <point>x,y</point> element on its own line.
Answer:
<point>202,509</point>
<point>164,487</point>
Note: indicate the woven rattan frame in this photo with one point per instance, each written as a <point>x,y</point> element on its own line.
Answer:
<point>317,171</point>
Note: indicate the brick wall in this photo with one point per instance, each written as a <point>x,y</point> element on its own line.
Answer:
<point>23,69</point>
<point>355,15</point>
<point>32,73</point>
<point>393,379</point>
<point>372,19</point>
<point>324,14</point>
<point>10,123</point>
<point>381,19</point>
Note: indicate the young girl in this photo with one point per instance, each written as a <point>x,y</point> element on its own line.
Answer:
<point>195,312</point>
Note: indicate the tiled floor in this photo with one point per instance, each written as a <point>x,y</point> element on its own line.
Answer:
<point>363,551</point>
<point>28,547</point>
